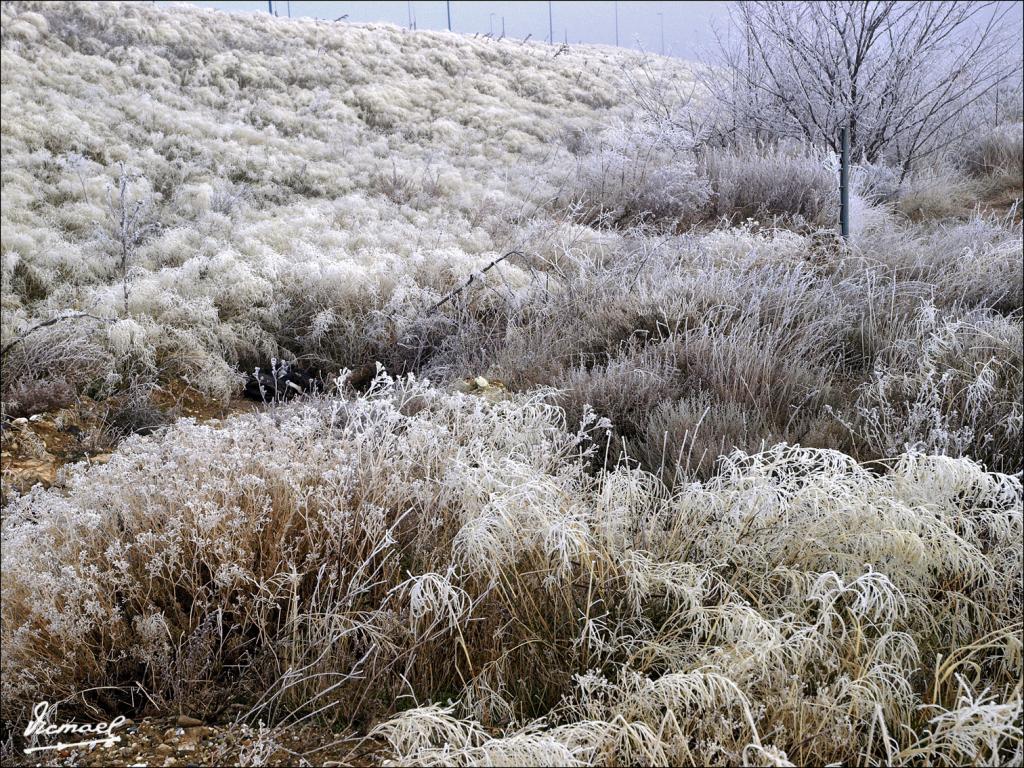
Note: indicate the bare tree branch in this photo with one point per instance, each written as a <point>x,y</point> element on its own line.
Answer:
<point>52,321</point>
<point>898,74</point>
<point>469,282</point>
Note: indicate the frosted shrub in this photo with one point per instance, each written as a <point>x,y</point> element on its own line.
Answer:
<point>998,151</point>
<point>876,182</point>
<point>954,389</point>
<point>736,318</point>
<point>978,728</point>
<point>935,192</point>
<point>975,263</point>
<point>787,181</point>
<point>639,170</point>
<point>687,435</point>
<point>343,554</point>
<point>994,160</point>
<point>67,355</point>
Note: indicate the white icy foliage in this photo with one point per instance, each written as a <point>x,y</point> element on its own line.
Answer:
<point>415,541</point>
<point>293,174</point>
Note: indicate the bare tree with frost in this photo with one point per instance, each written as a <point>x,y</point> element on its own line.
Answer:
<point>902,75</point>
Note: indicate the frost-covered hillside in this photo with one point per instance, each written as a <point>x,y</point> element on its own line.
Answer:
<point>284,179</point>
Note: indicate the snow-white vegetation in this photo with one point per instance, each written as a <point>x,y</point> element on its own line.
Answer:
<point>735,492</point>
<point>289,183</point>
<point>411,545</point>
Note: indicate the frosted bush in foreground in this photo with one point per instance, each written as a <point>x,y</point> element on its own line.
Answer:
<point>345,553</point>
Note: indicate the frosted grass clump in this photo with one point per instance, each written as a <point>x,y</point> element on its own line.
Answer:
<point>343,554</point>
<point>953,387</point>
<point>640,169</point>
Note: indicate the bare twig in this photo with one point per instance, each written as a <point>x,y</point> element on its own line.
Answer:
<point>52,321</point>
<point>469,282</point>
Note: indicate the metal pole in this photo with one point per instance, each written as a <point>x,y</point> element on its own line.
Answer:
<point>289,9</point>
<point>844,185</point>
<point>551,27</point>
<point>270,7</point>
<point>616,23</point>
<point>448,5</point>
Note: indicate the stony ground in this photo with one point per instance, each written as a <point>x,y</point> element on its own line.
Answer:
<point>33,448</point>
<point>185,741</point>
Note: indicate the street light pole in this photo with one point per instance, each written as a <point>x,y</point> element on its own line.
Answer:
<point>551,27</point>
<point>448,6</point>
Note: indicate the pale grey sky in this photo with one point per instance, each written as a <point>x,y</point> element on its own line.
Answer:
<point>687,25</point>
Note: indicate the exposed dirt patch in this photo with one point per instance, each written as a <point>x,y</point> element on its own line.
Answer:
<point>162,741</point>
<point>34,448</point>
